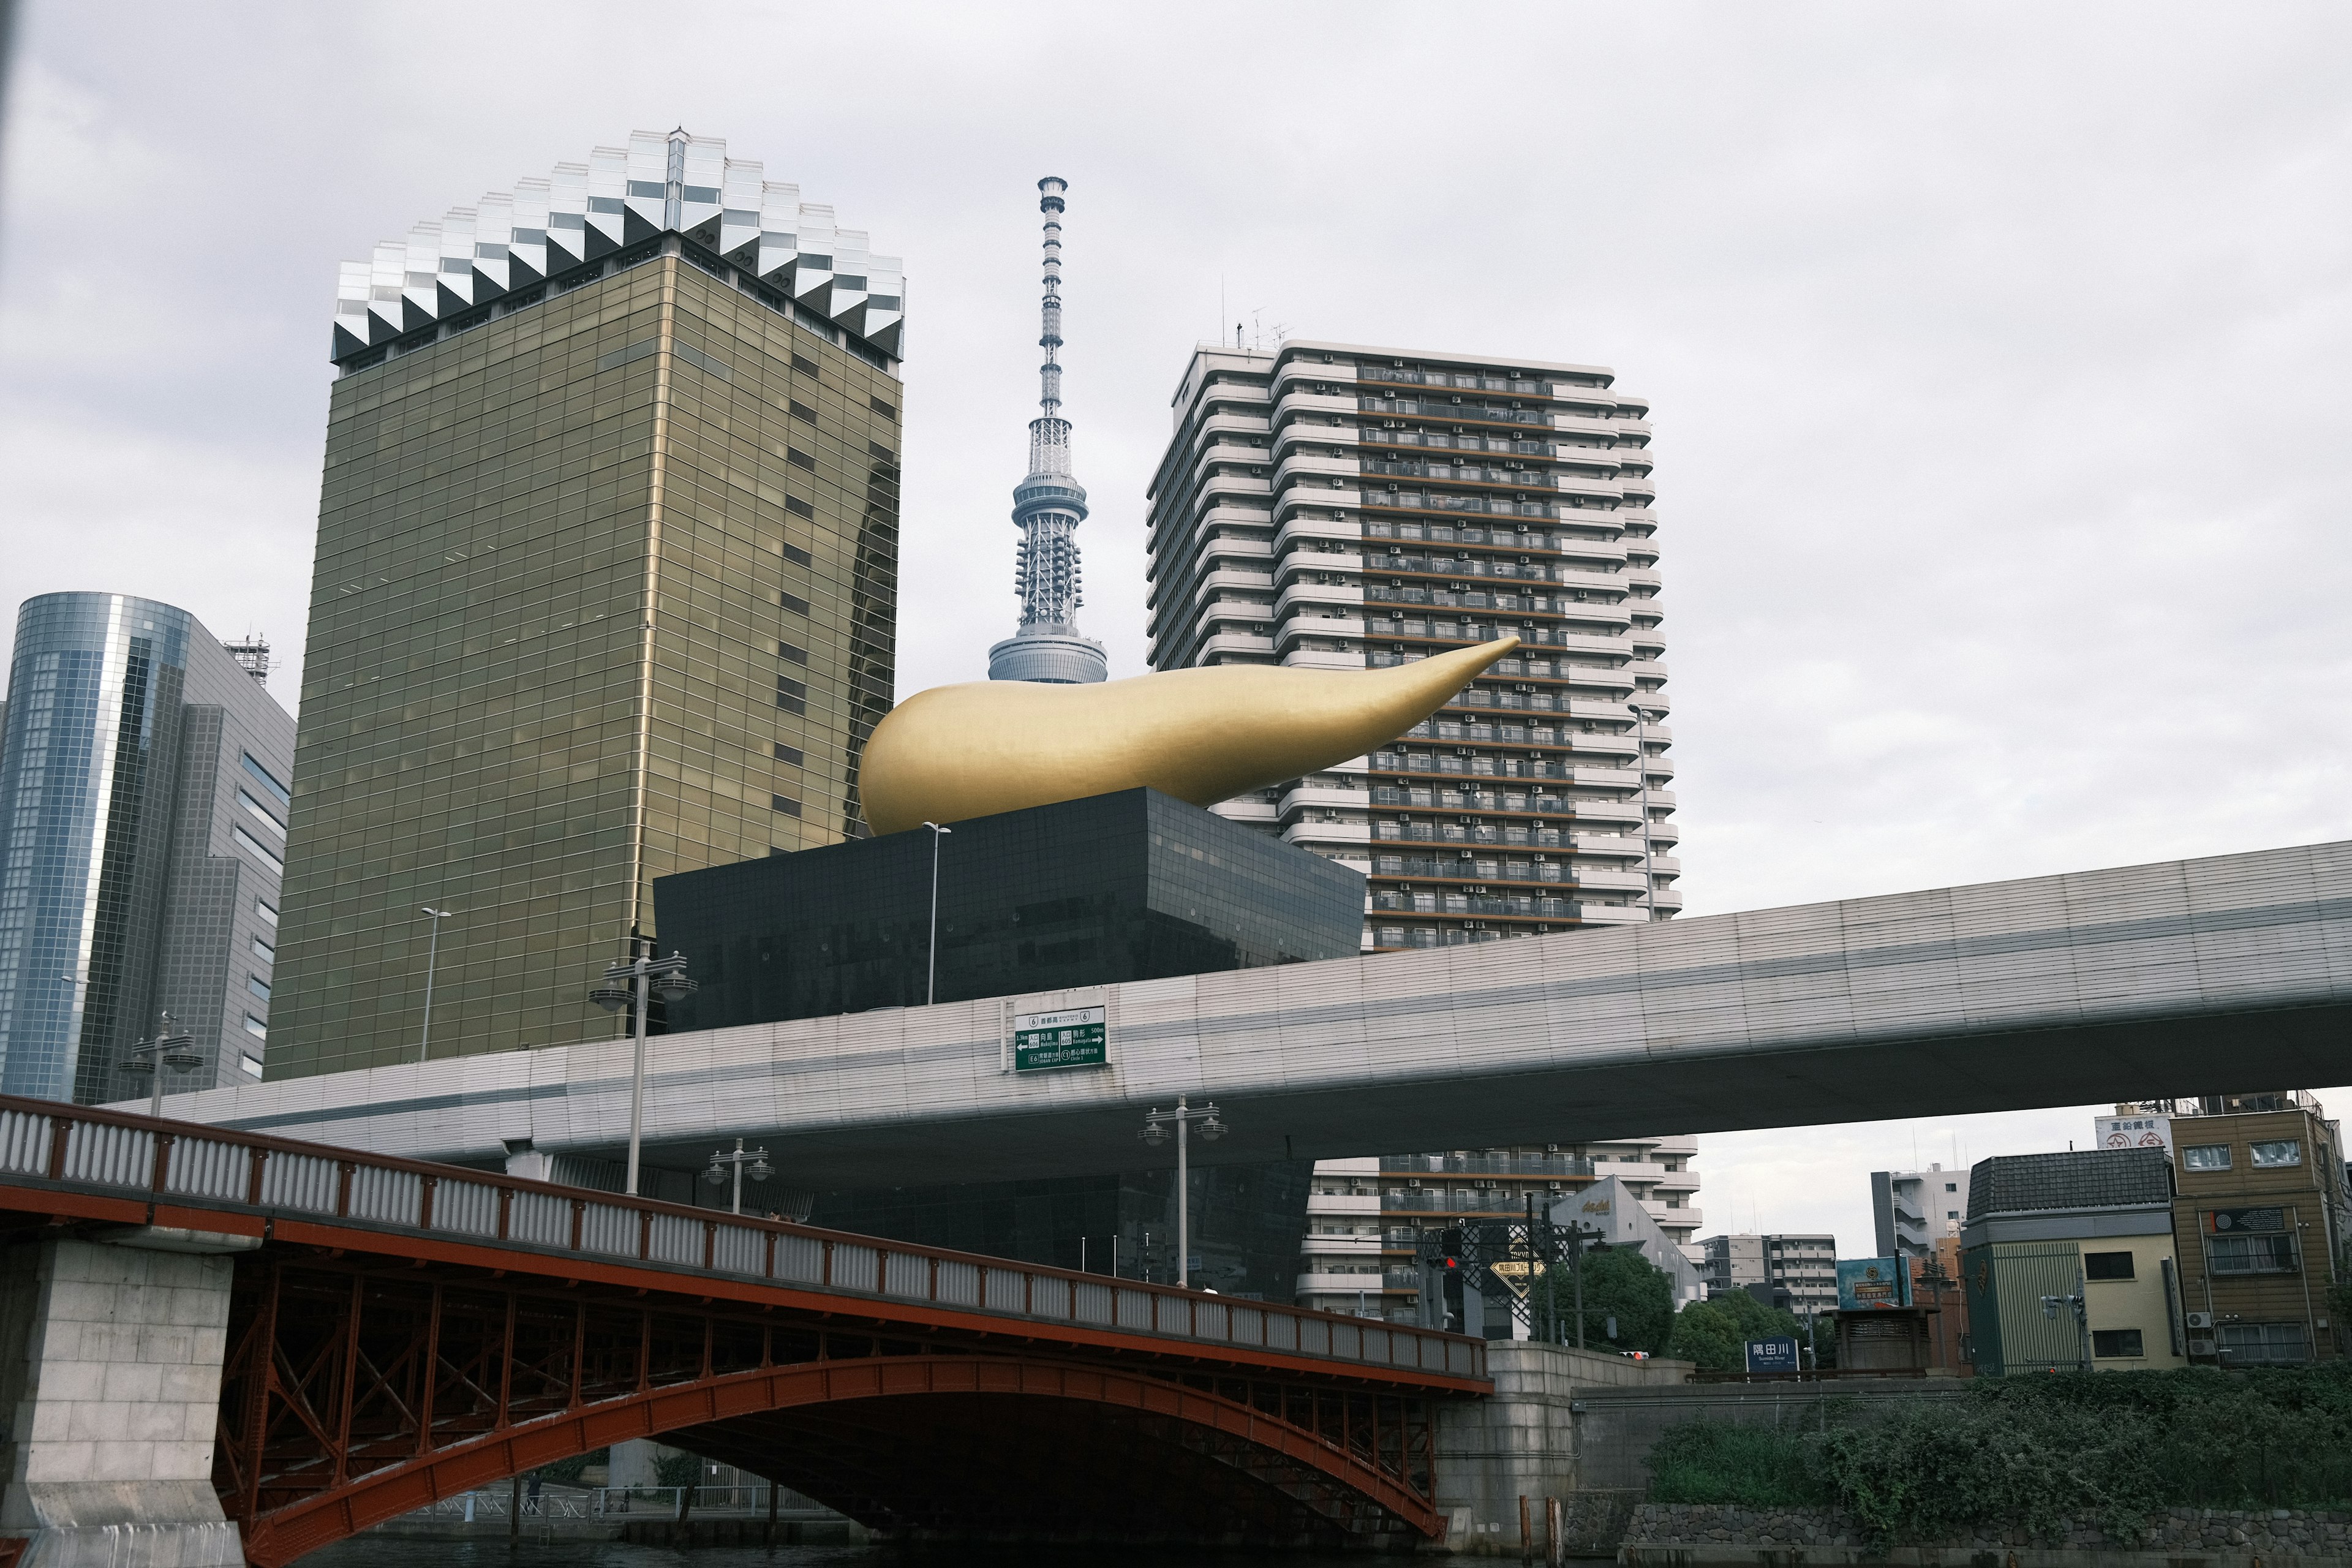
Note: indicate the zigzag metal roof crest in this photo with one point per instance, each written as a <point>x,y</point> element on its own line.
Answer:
<point>661,183</point>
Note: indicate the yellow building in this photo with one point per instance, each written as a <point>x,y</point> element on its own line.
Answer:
<point>2067,1262</point>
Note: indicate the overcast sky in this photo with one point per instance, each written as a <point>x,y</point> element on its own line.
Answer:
<point>1997,355</point>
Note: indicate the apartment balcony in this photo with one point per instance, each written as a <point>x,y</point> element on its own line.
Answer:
<point>1365,1205</point>
<point>1232,579</point>
<point>1257,813</point>
<point>1228,614</point>
<point>1303,554</point>
<point>1304,539</point>
<point>1355,835</point>
<point>1614,915</point>
<point>1576,555</point>
<point>1584,580</point>
<point>1342,1284</point>
<point>1585,425</point>
<point>1295,628</point>
<point>1524,1165</point>
<point>1441,1203</point>
<point>1307,601</point>
<point>1321,658</point>
<point>1245,647</point>
<point>1293,400</point>
<point>1313,795</point>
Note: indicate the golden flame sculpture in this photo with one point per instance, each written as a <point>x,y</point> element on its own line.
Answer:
<point>1201,735</point>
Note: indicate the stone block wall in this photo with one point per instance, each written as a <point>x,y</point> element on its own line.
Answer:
<point>109,1390</point>
<point>1523,1441</point>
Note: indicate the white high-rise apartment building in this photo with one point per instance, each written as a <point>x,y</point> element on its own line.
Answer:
<point>1333,506</point>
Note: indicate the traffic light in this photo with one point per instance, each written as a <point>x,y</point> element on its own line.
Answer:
<point>1449,1267</point>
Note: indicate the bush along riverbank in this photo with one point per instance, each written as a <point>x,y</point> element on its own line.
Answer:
<point>2044,1457</point>
<point>1695,1532</point>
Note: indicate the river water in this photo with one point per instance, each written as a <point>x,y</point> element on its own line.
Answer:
<point>389,1552</point>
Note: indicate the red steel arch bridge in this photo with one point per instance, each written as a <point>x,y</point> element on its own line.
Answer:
<point>399,1330</point>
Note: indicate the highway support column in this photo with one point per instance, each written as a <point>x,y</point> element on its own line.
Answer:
<point>111,1355</point>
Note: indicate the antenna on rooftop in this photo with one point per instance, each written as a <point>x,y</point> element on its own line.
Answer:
<point>252,652</point>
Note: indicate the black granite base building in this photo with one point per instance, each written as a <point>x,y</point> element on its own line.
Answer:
<point>1131,886</point>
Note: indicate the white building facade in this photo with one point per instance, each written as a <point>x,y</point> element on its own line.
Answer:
<point>1913,1210</point>
<point>1333,506</point>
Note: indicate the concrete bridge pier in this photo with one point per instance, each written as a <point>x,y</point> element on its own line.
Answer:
<point>110,1393</point>
<point>1522,1442</point>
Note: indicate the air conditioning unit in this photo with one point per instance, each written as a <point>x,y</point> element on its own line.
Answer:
<point>2200,1347</point>
<point>2200,1321</point>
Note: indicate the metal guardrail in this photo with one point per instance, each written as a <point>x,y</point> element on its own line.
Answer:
<point>163,1161</point>
<point>487,1502</point>
<point>732,1501</point>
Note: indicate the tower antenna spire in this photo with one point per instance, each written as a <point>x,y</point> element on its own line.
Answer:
<point>1047,506</point>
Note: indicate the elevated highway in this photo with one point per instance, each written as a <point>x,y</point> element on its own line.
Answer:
<point>2175,978</point>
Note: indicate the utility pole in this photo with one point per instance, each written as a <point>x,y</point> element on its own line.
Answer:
<point>931,980</point>
<point>432,951</point>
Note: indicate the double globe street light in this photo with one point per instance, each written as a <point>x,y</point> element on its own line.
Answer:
<point>1155,1132</point>
<point>639,981</point>
<point>166,1050</point>
<point>737,1157</point>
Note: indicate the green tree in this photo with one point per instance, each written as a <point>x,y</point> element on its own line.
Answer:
<point>1708,1336</point>
<point>1619,1283</point>
<point>1714,1334</point>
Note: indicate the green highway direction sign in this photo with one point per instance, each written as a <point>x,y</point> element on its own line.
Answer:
<point>1075,1037</point>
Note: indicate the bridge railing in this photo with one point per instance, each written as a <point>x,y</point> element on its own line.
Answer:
<point>83,1147</point>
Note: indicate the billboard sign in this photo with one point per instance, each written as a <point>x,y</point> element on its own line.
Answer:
<point>2140,1131</point>
<point>2234,1222</point>
<point>1074,1037</point>
<point>1872,1284</point>
<point>1776,1354</point>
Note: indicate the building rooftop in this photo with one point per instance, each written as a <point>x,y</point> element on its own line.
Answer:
<point>552,233</point>
<point>2084,1179</point>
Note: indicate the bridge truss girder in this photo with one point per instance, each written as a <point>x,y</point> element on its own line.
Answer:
<point>356,1389</point>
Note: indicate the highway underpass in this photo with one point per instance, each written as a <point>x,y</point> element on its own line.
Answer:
<point>2181,977</point>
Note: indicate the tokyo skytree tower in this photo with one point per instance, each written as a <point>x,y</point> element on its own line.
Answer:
<point>1047,508</point>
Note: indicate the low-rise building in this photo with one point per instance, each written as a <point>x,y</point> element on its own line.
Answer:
<point>1803,1268</point>
<point>1916,1209</point>
<point>2260,1214</point>
<point>2068,1262</point>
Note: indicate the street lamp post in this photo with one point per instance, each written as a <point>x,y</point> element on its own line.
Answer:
<point>432,951</point>
<point>1155,1132</point>
<point>1642,771</point>
<point>644,975</point>
<point>931,982</point>
<point>737,1157</point>
<point>166,1050</point>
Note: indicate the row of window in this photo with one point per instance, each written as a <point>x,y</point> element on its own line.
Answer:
<point>2268,1154</point>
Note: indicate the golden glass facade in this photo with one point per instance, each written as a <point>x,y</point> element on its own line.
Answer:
<point>606,589</point>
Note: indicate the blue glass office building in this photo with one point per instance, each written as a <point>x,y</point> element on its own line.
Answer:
<point>144,776</point>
